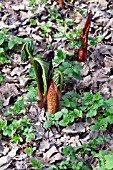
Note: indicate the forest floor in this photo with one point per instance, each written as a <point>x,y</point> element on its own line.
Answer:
<point>97,75</point>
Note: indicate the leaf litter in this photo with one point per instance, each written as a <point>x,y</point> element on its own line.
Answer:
<point>98,75</point>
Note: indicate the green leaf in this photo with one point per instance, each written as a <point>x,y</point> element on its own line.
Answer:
<point>36,164</point>
<point>29,151</point>
<point>77,69</point>
<point>53,168</point>
<point>77,76</point>
<point>17,40</point>
<point>15,124</point>
<point>58,115</point>
<point>109,161</point>
<point>3,124</point>
<point>109,102</point>
<point>2,41</point>
<point>58,35</point>
<point>17,139</point>
<point>100,124</point>
<point>25,122</point>
<point>78,44</point>
<point>96,96</point>
<point>19,105</point>
<point>27,50</point>
<point>60,56</point>
<point>48,124</point>
<point>1,50</point>
<point>64,122</point>
<point>42,74</point>
<point>8,131</point>
<point>91,113</point>
<point>70,53</point>
<point>94,127</point>
<point>29,137</point>
<point>3,59</point>
<point>1,105</point>
<point>49,116</point>
<point>110,109</point>
<point>68,71</point>
<point>92,43</point>
<point>33,22</point>
<point>64,110</point>
<point>32,94</point>
<point>77,113</point>
<point>66,64</point>
<point>66,102</point>
<point>99,38</point>
<point>110,119</point>
<point>88,97</point>
<point>83,11</point>
<point>11,44</point>
<point>4,30</point>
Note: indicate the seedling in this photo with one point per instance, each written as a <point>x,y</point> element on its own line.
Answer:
<point>15,127</point>
<point>45,27</point>
<point>54,15</point>
<point>62,118</point>
<point>33,22</point>
<point>48,84</point>
<point>30,151</point>
<point>37,164</point>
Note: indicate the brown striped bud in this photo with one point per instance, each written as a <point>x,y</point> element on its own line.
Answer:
<point>53,98</point>
<point>82,54</point>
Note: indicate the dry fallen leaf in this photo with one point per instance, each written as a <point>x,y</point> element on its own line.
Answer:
<point>50,152</point>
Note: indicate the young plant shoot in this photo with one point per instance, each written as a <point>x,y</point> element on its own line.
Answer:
<point>82,52</point>
<point>49,86</point>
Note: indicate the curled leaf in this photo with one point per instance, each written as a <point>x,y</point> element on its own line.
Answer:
<point>58,79</point>
<point>42,69</point>
<point>27,50</point>
<point>24,54</point>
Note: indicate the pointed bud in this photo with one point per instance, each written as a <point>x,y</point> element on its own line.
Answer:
<point>53,98</point>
